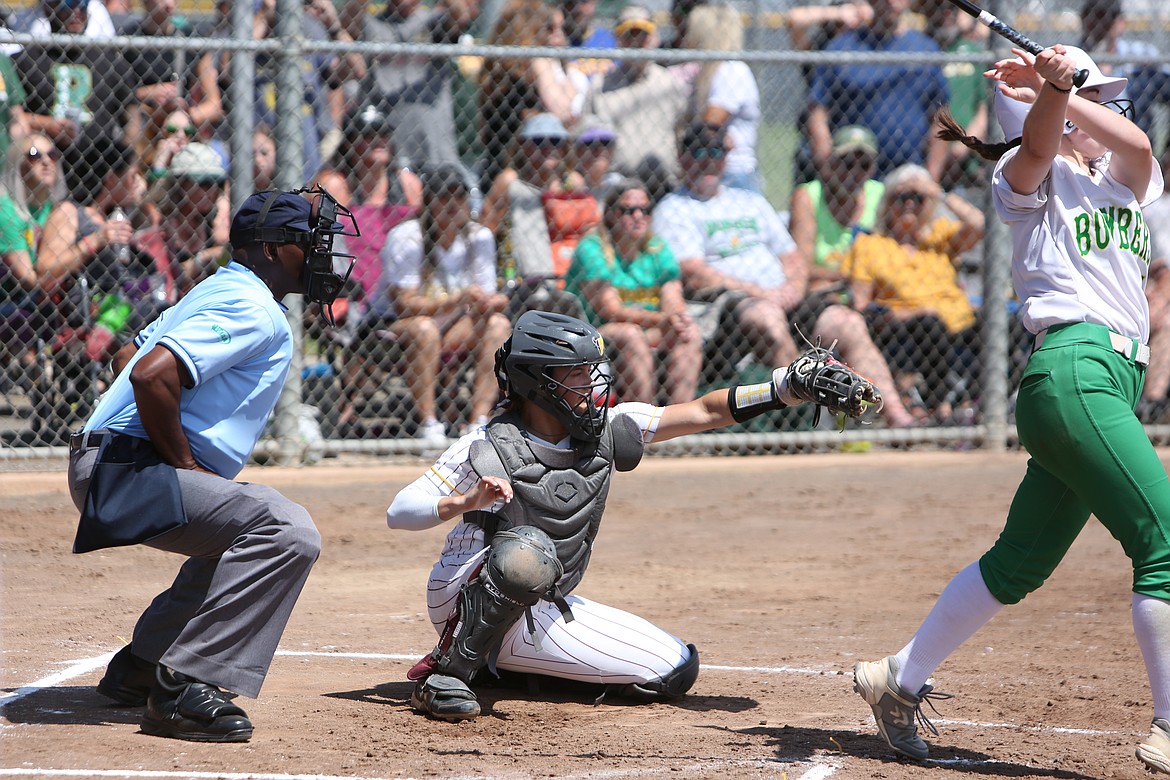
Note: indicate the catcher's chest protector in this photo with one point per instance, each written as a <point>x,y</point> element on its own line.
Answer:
<point>562,492</point>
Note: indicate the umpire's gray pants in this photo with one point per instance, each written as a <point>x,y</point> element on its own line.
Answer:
<point>250,551</point>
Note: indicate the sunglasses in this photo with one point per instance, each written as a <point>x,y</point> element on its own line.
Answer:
<point>629,211</point>
<point>52,153</point>
<point>708,152</point>
<point>190,130</point>
<point>917,198</point>
<point>547,144</point>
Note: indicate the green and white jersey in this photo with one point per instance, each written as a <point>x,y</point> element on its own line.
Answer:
<point>1080,247</point>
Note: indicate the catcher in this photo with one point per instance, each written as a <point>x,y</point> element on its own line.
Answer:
<point>529,489</point>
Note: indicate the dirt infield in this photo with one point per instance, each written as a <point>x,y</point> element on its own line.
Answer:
<point>783,571</point>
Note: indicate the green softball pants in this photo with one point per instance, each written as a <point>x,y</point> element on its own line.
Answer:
<point>1089,455</point>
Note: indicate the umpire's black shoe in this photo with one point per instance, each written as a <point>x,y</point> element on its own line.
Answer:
<point>184,708</point>
<point>128,679</point>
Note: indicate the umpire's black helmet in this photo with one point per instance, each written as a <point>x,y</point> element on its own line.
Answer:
<point>541,340</point>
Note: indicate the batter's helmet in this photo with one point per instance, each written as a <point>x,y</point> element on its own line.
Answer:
<point>541,340</point>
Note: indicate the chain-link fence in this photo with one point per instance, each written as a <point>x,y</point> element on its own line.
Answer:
<point>709,184</point>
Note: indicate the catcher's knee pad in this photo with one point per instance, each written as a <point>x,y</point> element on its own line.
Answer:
<point>670,686</point>
<point>521,567</point>
<point>522,564</point>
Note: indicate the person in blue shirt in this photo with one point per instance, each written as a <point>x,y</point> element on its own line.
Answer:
<point>898,102</point>
<point>155,464</point>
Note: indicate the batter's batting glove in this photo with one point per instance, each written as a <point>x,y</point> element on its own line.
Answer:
<point>819,378</point>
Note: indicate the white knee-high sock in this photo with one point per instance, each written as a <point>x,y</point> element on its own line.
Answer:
<point>964,606</point>
<point>1151,626</point>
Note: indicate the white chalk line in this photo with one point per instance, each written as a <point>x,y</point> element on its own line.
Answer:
<point>820,770</point>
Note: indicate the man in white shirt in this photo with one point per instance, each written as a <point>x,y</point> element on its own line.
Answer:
<point>744,276</point>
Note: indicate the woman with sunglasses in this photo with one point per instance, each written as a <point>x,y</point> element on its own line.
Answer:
<point>632,289</point>
<point>31,184</point>
<point>176,132</point>
<point>904,277</point>
<point>1070,183</point>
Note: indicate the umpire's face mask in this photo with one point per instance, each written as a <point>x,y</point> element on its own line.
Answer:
<point>326,269</point>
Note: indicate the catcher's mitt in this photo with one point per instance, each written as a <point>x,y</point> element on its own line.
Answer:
<point>818,377</point>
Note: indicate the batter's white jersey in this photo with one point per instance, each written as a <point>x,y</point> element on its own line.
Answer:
<point>600,645</point>
<point>1081,248</point>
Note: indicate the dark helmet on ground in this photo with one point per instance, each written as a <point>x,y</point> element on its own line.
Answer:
<point>542,340</point>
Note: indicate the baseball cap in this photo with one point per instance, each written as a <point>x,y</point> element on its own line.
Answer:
<point>854,138</point>
<point>701,135</point>
<point>596,131</point>
<point>635,17</point>
<point>288,211</point>
<point>543,126</point>
<point>199,162</point>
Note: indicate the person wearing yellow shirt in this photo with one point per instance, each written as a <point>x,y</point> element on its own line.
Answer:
<point>904,277</point>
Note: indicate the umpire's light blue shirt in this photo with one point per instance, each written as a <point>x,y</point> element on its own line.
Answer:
<point>233,337</point>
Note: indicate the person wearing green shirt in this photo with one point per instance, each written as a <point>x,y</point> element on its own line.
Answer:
<point>12,96</point>
<point>31,183</point>
<point>631,287</point>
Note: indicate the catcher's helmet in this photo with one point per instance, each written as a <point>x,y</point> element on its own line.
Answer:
<point>541,340</point>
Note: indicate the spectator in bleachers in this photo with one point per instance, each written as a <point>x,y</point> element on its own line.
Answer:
<point>644,103</point>
<point>744,274</point>
<point>322,74</point>
<point>897,102</point>
<point>1103,26</point>
<point>516,207</point>
<point>438,298</point>
<point>72,89</point>
<point>959,33</point>
<point>176,131</point>
<point>632,289</point>
<point>414,92</point>
<point>827,214</point>
<point>168,80</point>
<point>725,93</point>
<point>13,122</point>
<point>37,19</point>
<point>366,177</point>
<point>904,277</point>
<point>32,182</point>
<point>192,203</point>
<point>513,90</point>
<point>593,157</point>
<point>810,28</point>
<point>80,239</point>
<point>583,32</point>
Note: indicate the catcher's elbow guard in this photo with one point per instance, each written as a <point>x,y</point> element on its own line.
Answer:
<point>748,401</point>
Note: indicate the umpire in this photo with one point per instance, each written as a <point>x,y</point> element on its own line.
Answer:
<point>155,465</point>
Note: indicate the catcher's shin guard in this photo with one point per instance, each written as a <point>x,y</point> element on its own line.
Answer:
<point>673,685</point>
<point>521,567</point>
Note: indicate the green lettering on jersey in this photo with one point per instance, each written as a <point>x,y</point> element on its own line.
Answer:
<point>1103,221</point>
<point>1124,221</point>
<point>1084,242</point>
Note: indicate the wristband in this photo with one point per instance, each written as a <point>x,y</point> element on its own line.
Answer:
<point>1061,90</point>
<point>748,401</point>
